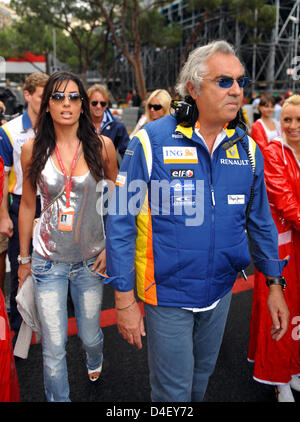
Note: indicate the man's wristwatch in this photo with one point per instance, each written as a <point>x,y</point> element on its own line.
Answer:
<point>276,280</point>
<point>24,260</point>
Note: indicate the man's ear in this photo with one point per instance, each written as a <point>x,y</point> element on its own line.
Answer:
<point>26,95</point>
<point>191,89</point>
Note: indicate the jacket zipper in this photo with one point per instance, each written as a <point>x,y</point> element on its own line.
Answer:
<point>212,195</point>
<point>212,233</point>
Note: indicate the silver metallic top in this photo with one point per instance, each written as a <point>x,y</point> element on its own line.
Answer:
<point>87,237</point>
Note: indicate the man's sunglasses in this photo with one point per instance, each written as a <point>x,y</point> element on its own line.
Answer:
<point>228,82</point>
<point>60,96</point>
<point>102,103</point>
<point>155,106</point>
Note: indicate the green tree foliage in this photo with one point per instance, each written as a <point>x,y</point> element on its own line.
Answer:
<point>263,20</point>
<point>153,32</point>
<point>84,29</point>
<point>16,39</point>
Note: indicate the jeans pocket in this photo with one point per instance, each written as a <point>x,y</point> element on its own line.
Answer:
<point>41,265</point>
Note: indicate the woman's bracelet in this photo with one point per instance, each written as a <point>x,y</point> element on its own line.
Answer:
<point>126,307</point>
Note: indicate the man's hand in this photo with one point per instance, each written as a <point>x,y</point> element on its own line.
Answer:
<point>279,312</point>
<point>129,318</point>
<point>6,227</point>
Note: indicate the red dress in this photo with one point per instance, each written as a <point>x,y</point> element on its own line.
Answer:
<point>9,386</point>
<point>259,134</point>
<point>276,361</point>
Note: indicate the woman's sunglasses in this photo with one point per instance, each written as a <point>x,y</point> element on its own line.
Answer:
<point>60,97</point>
<point>155,106</point>
<point>228,82</point>
<point>102,103</point>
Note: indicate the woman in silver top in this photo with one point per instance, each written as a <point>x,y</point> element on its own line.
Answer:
<point>68,163</point>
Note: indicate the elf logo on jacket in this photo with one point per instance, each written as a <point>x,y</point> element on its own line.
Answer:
<point>180,155</point>
<point>182,173</point>
<point>232,152</point>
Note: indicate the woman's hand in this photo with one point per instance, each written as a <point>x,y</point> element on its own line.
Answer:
<point>23,272</point>
<point>100,263</point>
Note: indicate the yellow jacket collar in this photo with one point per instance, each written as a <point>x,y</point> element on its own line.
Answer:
<point>188,131</point>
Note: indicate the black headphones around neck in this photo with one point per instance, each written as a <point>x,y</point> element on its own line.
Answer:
<point>186,114</point>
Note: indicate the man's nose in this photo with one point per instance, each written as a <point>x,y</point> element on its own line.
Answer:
<point>235,89</point>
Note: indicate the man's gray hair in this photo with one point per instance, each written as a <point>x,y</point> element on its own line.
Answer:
<point>194,68</point>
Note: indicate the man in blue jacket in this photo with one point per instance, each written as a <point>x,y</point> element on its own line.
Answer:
<point>184,196</point>
<point>103,120</point>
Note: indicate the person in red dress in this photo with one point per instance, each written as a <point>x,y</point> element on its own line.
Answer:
<point>277,362</point>
<point>9,385</point>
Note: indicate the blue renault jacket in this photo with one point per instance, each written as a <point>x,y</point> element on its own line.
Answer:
<point>177,221</point>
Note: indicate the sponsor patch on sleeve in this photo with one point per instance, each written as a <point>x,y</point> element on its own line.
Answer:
<point>129,152</point>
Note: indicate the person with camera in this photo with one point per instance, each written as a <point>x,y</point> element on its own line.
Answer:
<point>13,135</point>
<point>182,236</point>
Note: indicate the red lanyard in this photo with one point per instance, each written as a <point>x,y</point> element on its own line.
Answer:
<point>68,181</point>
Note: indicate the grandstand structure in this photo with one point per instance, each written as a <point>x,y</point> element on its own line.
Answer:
<point>272,62</point>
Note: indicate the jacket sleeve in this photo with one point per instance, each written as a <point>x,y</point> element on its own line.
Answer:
<point>259,136</point>
<point>6,148</point>
<point>261,228</point>
<point>128,198</point>
<point>280,190</point>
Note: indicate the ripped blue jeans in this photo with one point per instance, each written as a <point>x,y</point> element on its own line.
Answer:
<point>51,291</point>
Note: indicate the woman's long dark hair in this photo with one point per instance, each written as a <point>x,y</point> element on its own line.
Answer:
<point>44,143</point>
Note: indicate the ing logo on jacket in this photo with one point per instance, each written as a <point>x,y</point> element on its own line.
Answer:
<point>180,155</point>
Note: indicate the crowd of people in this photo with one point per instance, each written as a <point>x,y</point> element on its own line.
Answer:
<point>179,250</point>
